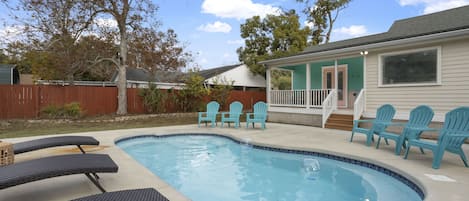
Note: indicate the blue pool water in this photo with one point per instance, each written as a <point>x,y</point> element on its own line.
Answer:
<point>211,168</point>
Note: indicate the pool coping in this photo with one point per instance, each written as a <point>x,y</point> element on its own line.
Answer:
<point>387,169</point>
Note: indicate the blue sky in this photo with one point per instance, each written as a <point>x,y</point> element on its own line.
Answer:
<point>217,48</point>
<point>210,28</point>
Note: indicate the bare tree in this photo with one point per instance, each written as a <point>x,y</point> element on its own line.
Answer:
<point>323,14</point>
<point>130,16</point>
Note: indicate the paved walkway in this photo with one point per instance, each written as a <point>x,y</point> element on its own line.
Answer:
<point>132,175</point>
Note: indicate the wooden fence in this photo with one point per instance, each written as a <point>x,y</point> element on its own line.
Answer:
<point>26,101</point>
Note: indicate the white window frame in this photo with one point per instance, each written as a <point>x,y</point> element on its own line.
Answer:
<point>438,67</point>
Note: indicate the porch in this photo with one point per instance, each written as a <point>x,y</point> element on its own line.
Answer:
<point>318,90</point>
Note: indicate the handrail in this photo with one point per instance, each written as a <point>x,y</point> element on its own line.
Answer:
<point>328,106</point>
<point>359,105</point>
<point>298,98</point>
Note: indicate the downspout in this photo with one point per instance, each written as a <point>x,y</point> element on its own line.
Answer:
<point>11,76</point>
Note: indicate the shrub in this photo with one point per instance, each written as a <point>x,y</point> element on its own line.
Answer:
<point>70,110</point>
<point>221,90</point>
<point>189,99</point>
<point>153,98</point>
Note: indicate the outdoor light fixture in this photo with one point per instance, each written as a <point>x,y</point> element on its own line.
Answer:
<point>364,52</point>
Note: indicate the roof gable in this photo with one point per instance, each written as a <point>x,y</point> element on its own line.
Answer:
<point>209,73</point>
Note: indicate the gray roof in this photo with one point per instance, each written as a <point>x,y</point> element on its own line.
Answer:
<point>444,21</point>
<point>139,74</point>
<point>206,74</point>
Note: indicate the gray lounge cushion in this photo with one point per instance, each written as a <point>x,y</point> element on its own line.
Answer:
<point>54,166</point>
<point>32,145</point>
<point>146,194</point>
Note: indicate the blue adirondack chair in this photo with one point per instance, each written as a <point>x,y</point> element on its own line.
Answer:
<point>258,116</point>
<point>419,119</point>
<point>236,109</point>
<point>384,115</point>
<point>210,115</point>
<point>451,137</point>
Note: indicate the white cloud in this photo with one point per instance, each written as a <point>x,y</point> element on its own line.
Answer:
<point>235,42</point>
<point>238,9</point>
<point>353,30</point>
<point>432,6</point>
<point>215,27</point>
<point>11,33</point>
<point>106,22</point>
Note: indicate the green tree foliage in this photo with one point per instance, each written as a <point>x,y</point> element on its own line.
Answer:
<point>190,98</point>
<point>322,14</point>
<point>221,90</point>
<point>271,37</point>
<point>281,80</point>
<point>153,98</point>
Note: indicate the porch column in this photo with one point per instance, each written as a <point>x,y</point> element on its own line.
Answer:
<point>336,82</point>
<point>267,73</point>
<point>308,85</point>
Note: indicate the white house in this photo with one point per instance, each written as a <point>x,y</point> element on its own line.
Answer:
<point>422,60</point>
<point>239,75</point>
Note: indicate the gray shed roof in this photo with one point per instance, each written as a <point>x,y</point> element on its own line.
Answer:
<point>206,74</point>
<point>444,21</point>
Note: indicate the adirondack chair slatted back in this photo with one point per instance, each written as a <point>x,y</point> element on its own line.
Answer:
<point>260,110</point>
<point>420,117</point>
<point>456,121</point>
<point>384,114</point>
<point>212,109</point>
<point>236,108</point>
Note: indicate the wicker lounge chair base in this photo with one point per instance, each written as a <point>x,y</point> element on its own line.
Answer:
<point>146,194</point>
<point>55,166</point>
<point>33,145</point>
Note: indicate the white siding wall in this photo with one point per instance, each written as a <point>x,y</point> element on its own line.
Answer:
<point>241,76</point>
<point>453,91</point>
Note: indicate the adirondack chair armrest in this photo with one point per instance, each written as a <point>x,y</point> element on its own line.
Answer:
<point>393,124</point>
<point>202,113</point>
<point>248,115</point>
<point>224,113</point>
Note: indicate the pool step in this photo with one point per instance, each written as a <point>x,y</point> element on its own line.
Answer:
<point>340,122</point>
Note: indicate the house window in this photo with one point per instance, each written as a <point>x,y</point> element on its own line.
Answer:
<point>418,67</point>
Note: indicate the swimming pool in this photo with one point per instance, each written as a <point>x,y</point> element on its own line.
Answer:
<point>214,168</point>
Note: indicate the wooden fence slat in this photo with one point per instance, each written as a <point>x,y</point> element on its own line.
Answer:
<point>26,101</point>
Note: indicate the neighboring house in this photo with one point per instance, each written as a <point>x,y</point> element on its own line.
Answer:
<point>139,78</point>
<point>9,74</point>
<point>419,60</point>
<point>239,75</point>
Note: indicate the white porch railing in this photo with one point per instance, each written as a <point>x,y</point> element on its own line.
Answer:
<point>298,98</point>
<point>328,106</point>
<point>359,105</point>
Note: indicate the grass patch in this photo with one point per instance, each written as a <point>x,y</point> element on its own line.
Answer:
<point>21,128</point>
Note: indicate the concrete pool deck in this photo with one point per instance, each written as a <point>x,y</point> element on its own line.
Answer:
<point>132,175</point>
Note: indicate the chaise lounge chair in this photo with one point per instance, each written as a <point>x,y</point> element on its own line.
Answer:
<point>146,194</point>
<point>54,166</point>
<point>33,145</point>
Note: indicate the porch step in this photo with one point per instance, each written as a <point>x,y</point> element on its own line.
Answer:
<point>340,121</point>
